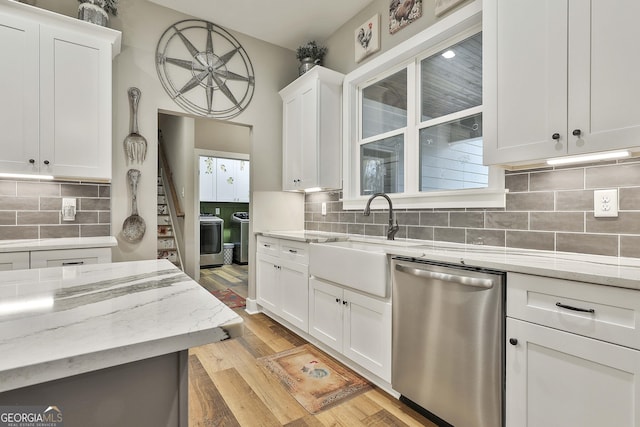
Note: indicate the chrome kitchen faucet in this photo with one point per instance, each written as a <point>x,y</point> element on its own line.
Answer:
<point>393,229</point>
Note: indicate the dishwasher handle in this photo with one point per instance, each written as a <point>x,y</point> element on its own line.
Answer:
<point>475,282</point>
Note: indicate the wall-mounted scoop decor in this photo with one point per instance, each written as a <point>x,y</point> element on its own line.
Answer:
<point>133,227</point>
<point>135,145</point>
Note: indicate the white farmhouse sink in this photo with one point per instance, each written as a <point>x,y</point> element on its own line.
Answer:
<point>358,265</point>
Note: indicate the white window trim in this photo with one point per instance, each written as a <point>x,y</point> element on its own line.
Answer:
<point>458,22</point>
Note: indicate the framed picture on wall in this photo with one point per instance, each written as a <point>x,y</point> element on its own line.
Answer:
<point>444,5</point>
<point>403,13</point>
<point>367,38</point>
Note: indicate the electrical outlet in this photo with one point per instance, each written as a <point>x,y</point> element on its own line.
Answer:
<point>68,209</point>
<point>217,211</point>
<point>324,208</point>
<point>605,203</point>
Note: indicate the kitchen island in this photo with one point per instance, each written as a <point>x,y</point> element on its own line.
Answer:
<point>106,343</point>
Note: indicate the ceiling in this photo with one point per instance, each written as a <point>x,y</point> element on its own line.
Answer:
<point>285,23</point>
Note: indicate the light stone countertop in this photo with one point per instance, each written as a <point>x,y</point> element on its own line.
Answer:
<point>603,270</point>
<point>26,245</point>
<point>61,321</point>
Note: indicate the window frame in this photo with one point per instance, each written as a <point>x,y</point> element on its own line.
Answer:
<point>407,55</point>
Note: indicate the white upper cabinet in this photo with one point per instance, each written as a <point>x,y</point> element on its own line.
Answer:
<point>311,131</point>
<point>56,108</point>
<point>207,179</point>
<point>232,180</point>
<point>558,77</point>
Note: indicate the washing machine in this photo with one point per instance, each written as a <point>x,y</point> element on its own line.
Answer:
<point>240,237</point>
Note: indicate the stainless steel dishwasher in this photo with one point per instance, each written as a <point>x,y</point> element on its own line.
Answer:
<point>448,341</point>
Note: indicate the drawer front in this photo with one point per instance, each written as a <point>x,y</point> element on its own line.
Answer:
<point>268,245</point>
<point>602,312</point>
<point>65,257</point>
<point>294,251</point>
<point>14,261</point>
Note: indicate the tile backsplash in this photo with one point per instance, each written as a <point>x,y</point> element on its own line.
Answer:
<point>549,209</point>
<point>33,209</point>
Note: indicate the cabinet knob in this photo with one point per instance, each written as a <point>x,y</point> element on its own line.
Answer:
<point>513,341</point>
<point>338,300</point>
<point>345,303</point>
<point>32,161</point>
<point>46,162</point>
<point>576,132</point>
<point>556,136</point>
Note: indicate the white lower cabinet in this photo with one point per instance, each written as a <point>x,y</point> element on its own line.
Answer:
<point>65,257</point>
<point>353,324</point>
<point>14,261</point>
<point>556,378</point>
<point>53,258</point>
<point>572,354</point>
<point>282,276</point>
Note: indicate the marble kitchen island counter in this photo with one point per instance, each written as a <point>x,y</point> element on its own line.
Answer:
<point>115,333</point>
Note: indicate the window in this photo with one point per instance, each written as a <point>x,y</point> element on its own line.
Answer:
<point>413,126</point>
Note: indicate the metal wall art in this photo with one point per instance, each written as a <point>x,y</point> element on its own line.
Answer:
<point>135,145</point>
<point>204,69</point>
<point>134,227</point>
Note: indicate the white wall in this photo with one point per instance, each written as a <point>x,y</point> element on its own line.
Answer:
<point>222,136</point>
<point>142,23</point>
<point>340,54</point>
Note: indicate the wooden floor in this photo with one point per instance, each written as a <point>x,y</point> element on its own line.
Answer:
<point>232,276</point>
<point>227,387</point>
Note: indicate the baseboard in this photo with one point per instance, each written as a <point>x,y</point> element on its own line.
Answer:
<point>252,306</point>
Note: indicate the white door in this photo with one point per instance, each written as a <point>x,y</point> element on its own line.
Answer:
<point>558,379</point>
<point>292,140</point>
<point>310,138</point>
<point>242,181</point>
<point>294,282</point>
<point>325,313</point>
<point>367,333</point>
<point>604,84</point>
<point>225,180</point>
<point>267,282</point>
<point>207,179</point>
<point>75,95</point>
<point>525,79</point>
<point>19,86</point>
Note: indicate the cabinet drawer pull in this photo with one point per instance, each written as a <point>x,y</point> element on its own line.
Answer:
<point>266,245</point>
<point>556,136</point>
<point>568,307</point>
<point>293,251</point>
<point>576,132</point>
<point>73,263</point>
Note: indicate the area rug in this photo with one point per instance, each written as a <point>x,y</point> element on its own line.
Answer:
<point>229,298</point>
<point>315,380</point>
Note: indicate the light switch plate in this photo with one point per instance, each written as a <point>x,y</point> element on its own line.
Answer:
<point>324,208</point>
<point>605,203</point>
<point>68,209</point>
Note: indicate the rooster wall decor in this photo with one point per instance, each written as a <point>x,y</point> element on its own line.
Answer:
<point>402,13</point>
<point>367,38</point>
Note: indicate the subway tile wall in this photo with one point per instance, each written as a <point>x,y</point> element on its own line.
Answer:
<point>33,209</point>
<point>548,209</point>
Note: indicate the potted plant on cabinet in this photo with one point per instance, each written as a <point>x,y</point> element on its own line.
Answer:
<point>310,54</point>
<point>97,11</point>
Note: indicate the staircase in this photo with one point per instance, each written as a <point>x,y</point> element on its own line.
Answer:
<point>167,247</point>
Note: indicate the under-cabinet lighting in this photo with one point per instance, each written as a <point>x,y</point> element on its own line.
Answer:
<point>449,54</point>
<point>312,190</point>
<point>25,175</point>
<point>589,158</point>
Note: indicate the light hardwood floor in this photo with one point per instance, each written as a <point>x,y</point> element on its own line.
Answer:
<point>227,387</point>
